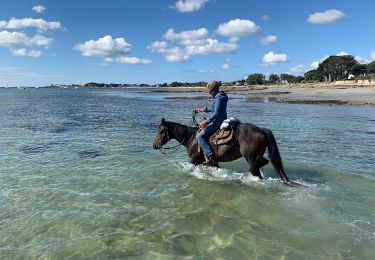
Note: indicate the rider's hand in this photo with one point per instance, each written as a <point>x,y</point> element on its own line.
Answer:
<point>198,110</point>
<point>203,124</point>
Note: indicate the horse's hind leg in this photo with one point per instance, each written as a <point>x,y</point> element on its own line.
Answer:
<point>263,162</point>
<point>256,165</point>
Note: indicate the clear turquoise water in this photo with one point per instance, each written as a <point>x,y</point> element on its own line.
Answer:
<point>79,179</point>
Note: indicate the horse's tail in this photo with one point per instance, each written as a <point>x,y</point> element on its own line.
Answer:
<point>275,158</point>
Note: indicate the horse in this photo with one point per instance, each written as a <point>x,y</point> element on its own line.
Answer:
<point>251,143</point>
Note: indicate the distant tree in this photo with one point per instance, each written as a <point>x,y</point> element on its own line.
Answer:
<point>255,79</point>
<point>274,79</point>
<point>240,82</point>
<point>359,69</point>
<point>175,84</point>
<point>313,75</point>
<point>299,79</point>
<point>291,79</point>
<point>371,68</point>
<point>337,67</point>
<point>284,76</point>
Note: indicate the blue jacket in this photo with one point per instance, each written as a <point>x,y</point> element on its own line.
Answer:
<point>218,109</point>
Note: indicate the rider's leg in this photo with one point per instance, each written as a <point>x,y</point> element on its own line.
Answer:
<point>202,139</point>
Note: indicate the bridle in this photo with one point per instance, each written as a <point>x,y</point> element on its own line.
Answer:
<point>176,147</point>
<point>162,149</point>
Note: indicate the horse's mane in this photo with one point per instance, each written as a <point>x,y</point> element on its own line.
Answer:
<point>181,127</point>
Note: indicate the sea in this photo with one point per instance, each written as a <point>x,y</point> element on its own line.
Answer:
<point>79,179</point>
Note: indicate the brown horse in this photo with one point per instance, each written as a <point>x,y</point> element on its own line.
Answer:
<point>251,143</point>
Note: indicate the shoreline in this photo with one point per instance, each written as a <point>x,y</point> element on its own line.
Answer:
<point>302,93</point>
<point>329,94</point>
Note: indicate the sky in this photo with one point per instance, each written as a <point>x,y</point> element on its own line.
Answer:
<point>149,41</point>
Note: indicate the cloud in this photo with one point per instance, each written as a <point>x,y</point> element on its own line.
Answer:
<point>211,46</point>
<point>105,47</point>
<point>158,46</point>
<point>237,28</point>
<point>9,38</point>
<point>128,60</point>
<point>25,53</point>
<point>176,54</point>
<point>110,50</point>
<point>298,68</point>
<point>272,58</point>
<point>180,46</point>
<point>342,53</point>
<point>39,9</point>
<point>225,66</point>
<point>40,24</point>
<point>206,71</point>
<point>185,6</point>
<point>326,17</point>
<point>266,17</point>
<point>372,55</point>
<point>268,40</point>
<point>187,37</point>
<point>314,65</point>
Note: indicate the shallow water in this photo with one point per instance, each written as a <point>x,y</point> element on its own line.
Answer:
<point>79,179</point>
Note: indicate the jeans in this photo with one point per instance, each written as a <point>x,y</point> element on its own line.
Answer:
<point>203,136</point>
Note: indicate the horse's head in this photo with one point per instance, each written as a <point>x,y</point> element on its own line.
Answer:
<point>162,136</point>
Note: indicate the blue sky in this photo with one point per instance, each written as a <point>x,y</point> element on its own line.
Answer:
<point>143,41</point>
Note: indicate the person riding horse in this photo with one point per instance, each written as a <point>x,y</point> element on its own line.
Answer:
<point>212,124</point>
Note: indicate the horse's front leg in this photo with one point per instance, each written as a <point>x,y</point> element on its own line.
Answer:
<point>196,158</point>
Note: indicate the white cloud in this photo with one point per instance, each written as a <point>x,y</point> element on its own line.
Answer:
<point>342,53</point>
<point>266,17</point>
<point>39,9</point>
<point>268,40</point>
<point>325,17</point>
<point>104,47</point>
<point>211,46</point>
<point>9,38</point>
<point>40,24</point>
<point>128,60</point>
<point>158,46</point>
<point>298,68</point>
<point>206,71</point>
<point>185,6</point>
<point>179,46</point>
<point>25,53</point>
<point>110,50</point>
<point>237,28</point>
<point>272,58</point>
<point>187,37</point>
<point>362,60</point>
<point>225,66</point>
<point>373,55</point>
<point>315,64</point>
<point>176,54</point>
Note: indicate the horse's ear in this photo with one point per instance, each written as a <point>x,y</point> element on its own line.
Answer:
<point>163,121</point>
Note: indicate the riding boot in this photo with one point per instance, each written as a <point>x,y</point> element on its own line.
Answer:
<point>212,161</point>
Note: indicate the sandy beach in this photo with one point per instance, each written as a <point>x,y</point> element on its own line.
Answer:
<point>298,93</point>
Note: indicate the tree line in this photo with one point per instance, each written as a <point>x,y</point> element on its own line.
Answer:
<point>331,69</point>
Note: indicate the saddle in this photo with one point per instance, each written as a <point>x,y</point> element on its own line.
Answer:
<point>222,136</point>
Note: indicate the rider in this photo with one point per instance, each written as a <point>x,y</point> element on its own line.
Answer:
<point>212,124</point>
